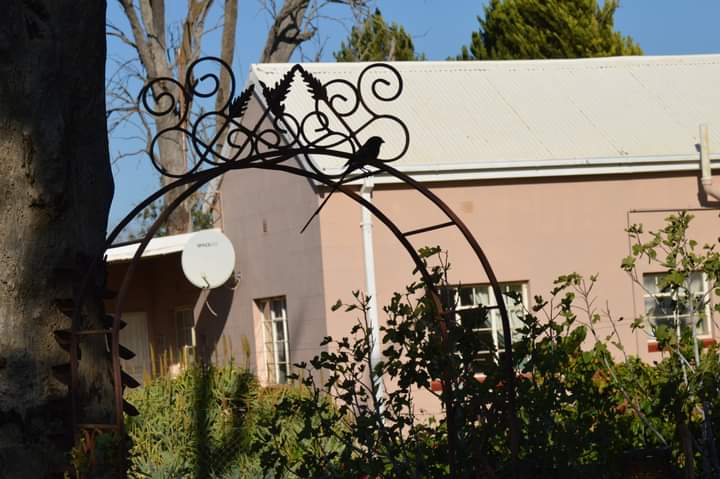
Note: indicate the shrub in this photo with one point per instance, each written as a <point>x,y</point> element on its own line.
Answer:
<point>199,424</point>
<point>580,412</point>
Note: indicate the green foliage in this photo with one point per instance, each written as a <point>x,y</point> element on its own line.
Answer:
<point>216,422</point>
<point>584,407</point>
<point>374,40</point>
<point>572,416</point>
<point>526,29</point>
<point>95,455</point>
<point>686,381</point>
<point>200,424</point>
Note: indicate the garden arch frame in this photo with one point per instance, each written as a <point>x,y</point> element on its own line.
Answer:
<point>324,131</point>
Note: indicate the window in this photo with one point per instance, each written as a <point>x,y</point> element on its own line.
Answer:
<point>469,298</point>
<point>663,306</point>
<point>185,328</point>
<point>275,337</point>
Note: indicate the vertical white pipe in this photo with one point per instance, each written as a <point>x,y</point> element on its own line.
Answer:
<point>706,179</point>
<point>369,261</point>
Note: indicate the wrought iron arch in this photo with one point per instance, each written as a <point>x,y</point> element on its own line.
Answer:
<point>324,131</point>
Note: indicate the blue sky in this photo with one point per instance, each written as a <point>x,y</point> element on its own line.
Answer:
<point>439,28</point>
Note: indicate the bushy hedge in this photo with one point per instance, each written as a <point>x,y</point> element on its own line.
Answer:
<point>199,424</point>
<point>213,422</point>
<point>580,412</point>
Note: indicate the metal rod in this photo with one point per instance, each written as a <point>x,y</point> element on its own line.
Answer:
<point>89,332</point>
<point>295,144</point>
<point>499,299</point>
<point>428,228</point>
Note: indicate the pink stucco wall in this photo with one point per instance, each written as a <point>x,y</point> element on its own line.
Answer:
<point>158,288</point>
<point>532,230</point>
<point>263,212</point>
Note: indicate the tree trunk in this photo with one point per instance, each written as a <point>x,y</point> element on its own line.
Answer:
<point>287,32</point>
<point>56,187</point>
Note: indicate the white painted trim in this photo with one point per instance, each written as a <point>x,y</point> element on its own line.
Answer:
<point>543,169</point>
<point>370,288</point>
<point>510,169</point>
<point>158,246</point>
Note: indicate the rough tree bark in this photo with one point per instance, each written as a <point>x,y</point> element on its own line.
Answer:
<point>288,31</point>
<point>55,187</point>
<point>150,40</point>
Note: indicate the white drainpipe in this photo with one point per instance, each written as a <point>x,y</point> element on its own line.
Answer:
<point>711,190</point>
<point>369,261</point>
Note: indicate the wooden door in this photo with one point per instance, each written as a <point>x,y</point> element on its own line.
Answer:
<point>134,336</point>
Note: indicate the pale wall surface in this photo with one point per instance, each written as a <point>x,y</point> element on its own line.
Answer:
<point>158,288</point>
<point>263,212</point>
<point>532,230</point>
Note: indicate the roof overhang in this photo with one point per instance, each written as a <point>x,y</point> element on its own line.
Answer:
<point>466,168</point>
<point>161,246</point>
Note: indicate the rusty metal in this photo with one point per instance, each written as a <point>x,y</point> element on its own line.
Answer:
<point>276,137</point>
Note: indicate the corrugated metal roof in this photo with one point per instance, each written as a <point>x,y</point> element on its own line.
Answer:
<point>540,117</point>
<point>156,247</point>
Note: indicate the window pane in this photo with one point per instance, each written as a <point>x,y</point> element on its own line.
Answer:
<point>511,292</point>
<point>267,329</point>
<point>281,354</point>
<point>466,297</point>
<point>699,320</point>
<point>474,318</point>
<point>485,337</point>
<point>279,331</point>
<point>696,282</point>
<point>667,321</point>
<point>282,375</point>
<point>662,306</point>
<point>650,283</point>
<point>482,295</point>
<point>278,309</point>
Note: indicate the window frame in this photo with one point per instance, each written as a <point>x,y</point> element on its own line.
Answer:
<point>495,320</point>
<point>707,307</point>
<point>176,312</point>
<point>270,345</point>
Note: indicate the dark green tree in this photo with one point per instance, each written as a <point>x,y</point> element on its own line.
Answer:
<point>525,29</point>
<point>375,40</point>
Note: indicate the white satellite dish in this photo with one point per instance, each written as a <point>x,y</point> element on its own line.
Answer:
<point>208,259</point>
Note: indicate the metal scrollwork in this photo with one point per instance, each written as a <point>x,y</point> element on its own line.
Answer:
<point>342,116</point>
<point>339,122</point>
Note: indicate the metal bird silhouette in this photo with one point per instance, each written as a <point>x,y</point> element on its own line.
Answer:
<point>365,155</point>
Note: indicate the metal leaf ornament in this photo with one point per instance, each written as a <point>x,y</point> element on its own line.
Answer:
<point>240,103</point>
<point>276,96</point>
<point>314,86</point>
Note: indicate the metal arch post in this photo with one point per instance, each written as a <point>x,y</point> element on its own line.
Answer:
<point>202,178</point>
<point>508,365</point>
<point>122,293</point>
<point>263,149</point>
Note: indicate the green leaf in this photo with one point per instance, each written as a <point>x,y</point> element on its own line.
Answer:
<point>338,304</point>
<point>628,263</point>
